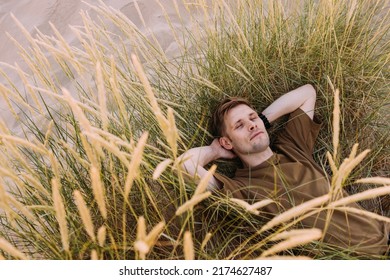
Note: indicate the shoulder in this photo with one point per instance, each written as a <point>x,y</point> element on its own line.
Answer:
<point>300,131</point>
<point>229,186</point>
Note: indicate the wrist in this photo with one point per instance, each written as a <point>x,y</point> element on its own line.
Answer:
<point>265,121</point>
<point>212,152</point>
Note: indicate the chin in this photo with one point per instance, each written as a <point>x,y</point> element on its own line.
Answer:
<point>261,147</point>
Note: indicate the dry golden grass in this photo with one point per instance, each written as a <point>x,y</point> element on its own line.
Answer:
<point>133,169</point>
<point>296,211</point>
<point>363,212</point>
<point>204,182</point>
<point>140,244</point>
<point>111,138</point>
<point>361,196</point>
<point>85,214</point>
<point>11,250</point>
<point>167,124</point>
<point>374,180</point>
<point>206,240</point>
<point>101,236</point>
<point>188,246</point>
<point>252,208</point>
<point>285,258</point>
<point>94,255</point>
<point>189,204</point>
<point>98,191</point>
<point>144,242</point>
<point>60,214</point>
<point>293,240</point>
<point>160,168</point>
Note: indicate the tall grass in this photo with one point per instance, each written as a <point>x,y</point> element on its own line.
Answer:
<point>93,171</point>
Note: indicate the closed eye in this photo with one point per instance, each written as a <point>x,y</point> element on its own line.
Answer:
<point>253,116</point>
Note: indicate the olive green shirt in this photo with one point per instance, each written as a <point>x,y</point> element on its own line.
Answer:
<point>291,177</point>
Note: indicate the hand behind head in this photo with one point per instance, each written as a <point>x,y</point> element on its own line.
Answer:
<point>220,151</point>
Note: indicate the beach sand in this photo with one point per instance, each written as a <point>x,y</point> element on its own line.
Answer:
<point>37,14</point>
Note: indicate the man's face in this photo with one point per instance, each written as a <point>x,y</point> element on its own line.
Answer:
<point>245,131</point>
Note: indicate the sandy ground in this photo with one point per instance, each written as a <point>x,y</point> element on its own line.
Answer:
<point>36,14</point>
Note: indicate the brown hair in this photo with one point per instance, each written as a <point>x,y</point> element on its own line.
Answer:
<point>217,124</point>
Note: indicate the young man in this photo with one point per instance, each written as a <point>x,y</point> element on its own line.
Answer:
<point>288,175</point>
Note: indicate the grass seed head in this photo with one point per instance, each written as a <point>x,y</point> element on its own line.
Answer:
<point>94,255</point>
<point>160,168</point>
<point>11,250</point>
<point>98,191</point>
<point>293,241</point>
<point>135,163</point>
<point>84,214</point>
<point>189,205</point>
<point>60,214</point>
<point>101,235</point>
<point>202,186</point>
<point>296,211</point>
<point>188,244</point>
<point>206,240</point>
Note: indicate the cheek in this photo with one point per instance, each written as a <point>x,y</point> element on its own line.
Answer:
<point>233,136</point>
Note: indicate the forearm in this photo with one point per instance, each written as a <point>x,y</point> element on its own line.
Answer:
<point>194,160</point>
<point>303,97</point>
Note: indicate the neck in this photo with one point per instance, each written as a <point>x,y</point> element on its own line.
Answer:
<point>252,160</point>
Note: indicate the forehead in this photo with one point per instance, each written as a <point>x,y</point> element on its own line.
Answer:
<point>237,113</point>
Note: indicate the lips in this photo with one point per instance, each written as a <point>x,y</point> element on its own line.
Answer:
<point>255,135</point>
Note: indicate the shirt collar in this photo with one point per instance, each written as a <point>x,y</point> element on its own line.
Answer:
<point>273,160</point>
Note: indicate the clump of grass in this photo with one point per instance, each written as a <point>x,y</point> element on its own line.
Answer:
<point>93,172</point>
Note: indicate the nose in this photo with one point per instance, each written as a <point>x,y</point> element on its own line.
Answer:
<point>252,126</point>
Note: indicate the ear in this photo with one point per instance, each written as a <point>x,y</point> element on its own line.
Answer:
<point>225,143</point>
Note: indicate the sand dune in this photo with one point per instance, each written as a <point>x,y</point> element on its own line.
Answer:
<point>36,14</point>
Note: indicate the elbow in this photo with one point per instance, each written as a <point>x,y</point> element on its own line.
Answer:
<point>309,96</point>
<point>183,161</point>
<point>187,166</point>
<point>309,102</point>
<point>311,91</point>
<point>186,163</point>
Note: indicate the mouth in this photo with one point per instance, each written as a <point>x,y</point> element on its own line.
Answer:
<point>255,135</point>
